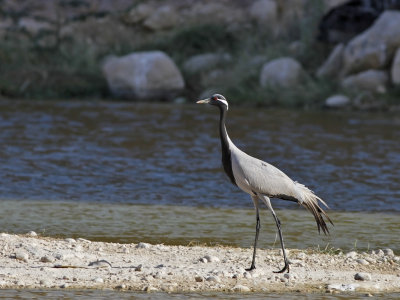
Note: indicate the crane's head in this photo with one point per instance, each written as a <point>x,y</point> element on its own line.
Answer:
<point>217,100</point>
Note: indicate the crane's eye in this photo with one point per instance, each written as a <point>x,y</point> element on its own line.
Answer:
<point>215,98</point>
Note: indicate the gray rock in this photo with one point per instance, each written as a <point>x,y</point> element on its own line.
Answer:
<point>143,75</point>
<point>371,80</point>
<point>362,276</point>
<point>204,62</point>
<point>32,233</point>
<point>164,17</point>
<point>362,261</point>
<point>142,245</point>
<point>351,254</point>
<point>198,278</point>
<point>241,288</point>
<point>337,101</point>
<point>333,65</point>
<point>264,12</point>
<point>213,279</point>
<point>282,72</point>
<point>375,47</point>
<point>211,258</point>
<point>47,258</point>
<point>343,287</point>
<point>388,252</point>
<point>395,69</point>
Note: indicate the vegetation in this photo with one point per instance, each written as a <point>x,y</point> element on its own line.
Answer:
<point>50,66</point>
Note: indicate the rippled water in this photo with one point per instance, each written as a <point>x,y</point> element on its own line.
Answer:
<point>128,172</point>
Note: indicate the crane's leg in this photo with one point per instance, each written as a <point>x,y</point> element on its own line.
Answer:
<point>267,201</point>
<point>253,262</point>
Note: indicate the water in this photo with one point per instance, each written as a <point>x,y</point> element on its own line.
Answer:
<point>128,172</point>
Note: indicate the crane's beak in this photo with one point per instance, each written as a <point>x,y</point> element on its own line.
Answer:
<point>205,101</point>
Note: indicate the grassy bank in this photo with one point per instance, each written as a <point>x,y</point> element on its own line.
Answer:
<point>70,68</point>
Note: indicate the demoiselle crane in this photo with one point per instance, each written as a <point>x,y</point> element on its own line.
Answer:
<point>263,181</point>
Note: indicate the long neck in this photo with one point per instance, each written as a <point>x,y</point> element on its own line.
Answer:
<point>226,152</point>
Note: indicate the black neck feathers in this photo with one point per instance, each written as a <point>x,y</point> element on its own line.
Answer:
<point>226,152</point>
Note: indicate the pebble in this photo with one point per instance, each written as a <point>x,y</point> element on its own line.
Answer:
<point>362,261</point>
<point>213,279</point>
<point>378,252</point>
<point>83,240</point>
<point>210,258</point>
<point>138,268</point>
<point>100,264</point>
<point>98,280</point>
<point>343,287</point>
<point>199,278</point>
<point>32,233</point>
<point>64,285</point>
<point>351,254</point>
<point>362,276</point>
<point>47,259</point>
<point>143,245</point>
<point>301,255</point>
<point>241,288</point>
<point>388,252</point>
<point>70,240</point>
<point>21,255</point>
<point>150,288</point>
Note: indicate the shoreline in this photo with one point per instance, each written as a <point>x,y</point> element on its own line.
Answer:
<point>37,262</point>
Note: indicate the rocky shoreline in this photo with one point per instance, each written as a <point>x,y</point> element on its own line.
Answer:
<point>30,261</point>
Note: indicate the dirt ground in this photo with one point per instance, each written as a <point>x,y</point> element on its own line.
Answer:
<point>30,261</point>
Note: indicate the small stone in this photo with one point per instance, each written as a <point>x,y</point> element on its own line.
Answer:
<point>388,252</point>
<point>98,280</point>
<point>337,101</point>
<point>362,261</point>
<point>122,286</point>
<point>64,285</point>
<point>143,246</point>
<point>138,268</point>
<point>210,258</point>
<point>301,255</point>
<point>70,240</point>
<point>241,288</point>
<point>378,252</point>
<point>203,260</point>
<point>150,288</point>
<point>362,276</point>
<point>32,233</point>
<point>100,264</point>
<point>199,278</point>
<point>47,259</point>
<point>83,240</point>
<point>351,254</point>
<point>213,279</point>
<point>343,287</point>
<point>21,255</point>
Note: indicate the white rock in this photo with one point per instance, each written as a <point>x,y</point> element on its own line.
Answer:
<point>143,246</point>
<point>343,287</point>
<point>143,75</point>
<point>388,252</point>
<point>374,47</point>
<point>98,280</point>
<point>241,288</point>
<point>22,255</point>
<point>395,69</point>
<point>371,80</point>
<point>32,233</point>
<point>333,65</point>
<point>301,255</point>
<point>210,258</point>
<point>282,72</point>
<point>70,240</point>
<point>362,276</point>
<point>351,254</point>
<point>213,279</point>
<point>337,101</point>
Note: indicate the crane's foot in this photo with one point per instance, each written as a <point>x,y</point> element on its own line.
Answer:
<point>251,268</point>
<point>285,268</point>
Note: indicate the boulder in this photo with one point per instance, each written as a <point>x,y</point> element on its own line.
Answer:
<point>337,101</point>
<point>375,47</point>
<point>142,75</point>
<point>264,12</point>
<point>283,72</point>
<point>333,65</point>
<point>395,70</point>
<point>164,17</point>
<point>207,61</point>
<point>371,80</point>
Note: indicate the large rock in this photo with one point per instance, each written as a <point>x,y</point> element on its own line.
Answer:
<point>395,71</point>
<point>164,17</point>
<point>283,72</point>
<point>333,65</point>
<point>371,80</point>
<point>206,61</point>
<point>375,47</point>
<point>142,75</point>
<point>264,12</point>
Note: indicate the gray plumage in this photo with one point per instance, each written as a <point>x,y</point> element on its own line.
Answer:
<point>263,181</point>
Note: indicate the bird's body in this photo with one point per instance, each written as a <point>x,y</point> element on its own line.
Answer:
<point>262,180</point>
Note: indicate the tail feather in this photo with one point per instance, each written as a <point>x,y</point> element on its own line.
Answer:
<point>310,201</point>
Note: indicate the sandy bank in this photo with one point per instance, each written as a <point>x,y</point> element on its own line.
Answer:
<point>40,262</point>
